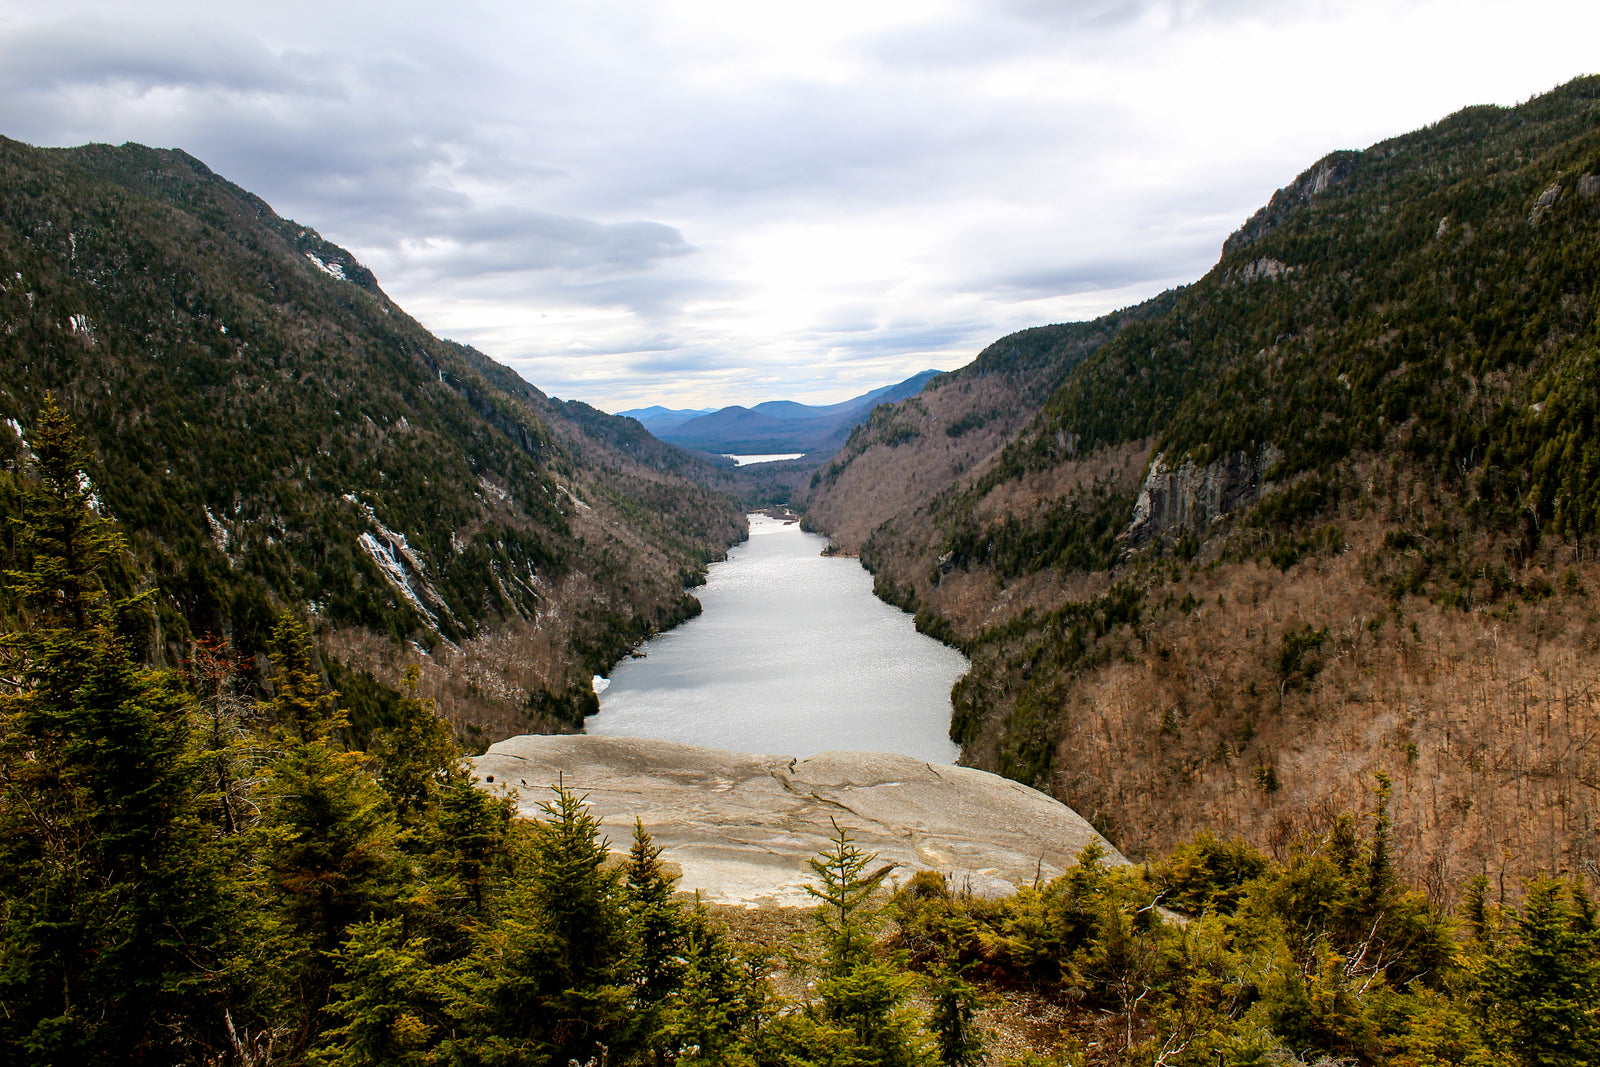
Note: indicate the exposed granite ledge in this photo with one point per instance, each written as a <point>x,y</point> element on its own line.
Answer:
<point>741,827</point>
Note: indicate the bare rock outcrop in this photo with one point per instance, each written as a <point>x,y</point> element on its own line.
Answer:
<point>1266,268</point>
<point>1327,172</point>
<point>1546,201</point>
<point>741,827</point>
<point>1190,497</point>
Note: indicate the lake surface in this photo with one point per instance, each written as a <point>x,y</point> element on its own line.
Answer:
<point>793,655</point>
<point>765,457</point>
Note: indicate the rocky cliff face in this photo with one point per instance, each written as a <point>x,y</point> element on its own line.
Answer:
<point>1328,171</point>
<point>1188,498</point>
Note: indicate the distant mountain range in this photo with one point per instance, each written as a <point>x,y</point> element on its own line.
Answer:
<point>774,425</point>
<point>657,417</point>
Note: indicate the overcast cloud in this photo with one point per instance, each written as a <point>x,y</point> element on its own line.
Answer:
<point>704,202</point>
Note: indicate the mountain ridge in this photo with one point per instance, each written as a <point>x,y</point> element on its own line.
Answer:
<point>274,432</point>
<point>779,425</point>
<point>1309,511</point>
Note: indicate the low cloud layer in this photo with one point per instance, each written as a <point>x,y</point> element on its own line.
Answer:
<point>701,202</point>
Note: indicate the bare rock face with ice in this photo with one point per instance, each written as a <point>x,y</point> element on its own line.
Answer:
<point>741,827</point>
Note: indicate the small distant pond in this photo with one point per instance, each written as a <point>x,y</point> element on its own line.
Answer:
<point>793,655</point>
<point>765,457</point>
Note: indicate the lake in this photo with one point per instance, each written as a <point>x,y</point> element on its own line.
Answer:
<point>793,655</point>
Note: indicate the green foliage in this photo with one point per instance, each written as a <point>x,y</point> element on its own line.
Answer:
<point>416,756</point>
<point>1297,659</point>
<point>1078,532</point>
<point>327,844</point>
<point>389,1003</point>
<point>958,1036</point>
<point>549,982</point>
<point>1043,651</point>
<point>1208,874</point>
<point>383,911</point>
<point>1535,989</point>
<point>300,704</point>
<point>1395,341</point>
<point>715,1012</point>
<point>114,925</point>
<point>1325,955</point>
<point>267,435</point>
<point>863,1018</point>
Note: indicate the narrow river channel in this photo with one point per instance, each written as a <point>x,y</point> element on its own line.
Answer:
<point>793,655</point>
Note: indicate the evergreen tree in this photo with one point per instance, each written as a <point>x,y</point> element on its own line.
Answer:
<point>389,1002</point>
<point>866,1017</point>
<point>300,703</point>
<point>326,841</point>
<point>417,756</point>
<point>472,855</point>
<point>113,906</point>
<point>659,922</point>
<point>1538,998</point>
<point>959,1037</point>
<point>713,1012</point>
<point>549,981</point>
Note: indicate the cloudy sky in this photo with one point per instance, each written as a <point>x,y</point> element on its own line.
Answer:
<point>706,202</point>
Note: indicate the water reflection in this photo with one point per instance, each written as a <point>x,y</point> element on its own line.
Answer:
<point>793,655</point>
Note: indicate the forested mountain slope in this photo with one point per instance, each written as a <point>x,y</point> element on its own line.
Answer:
<point>273,431</point>
<point>1330,511</point>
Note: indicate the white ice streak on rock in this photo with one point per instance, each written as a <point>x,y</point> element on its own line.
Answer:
<point>402,566</point>
<point>493,490</point>
<point>16,428</point>
<point>219,534</point>
<point>383,555</point>
<point>335,270</point>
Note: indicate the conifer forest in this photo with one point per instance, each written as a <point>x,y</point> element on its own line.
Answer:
<point>1285,579</point>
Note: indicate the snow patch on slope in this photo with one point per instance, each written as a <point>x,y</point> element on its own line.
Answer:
<point>219,534</point>
<point>330,268</point>
<point>402,567</point>
<point>16,428</point>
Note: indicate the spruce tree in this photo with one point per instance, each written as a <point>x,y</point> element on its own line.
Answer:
<point>389,1002</point>
<point>714,1009</point>
<point>958,1035</point>
<point>864,1011</point>
<point>327,838</point>
<point>1538,997</point>
<point>549,982</point>
<point>473,857</point>
<point>417,756</point>
<point>114,917</point>
<point>659,922</point>
<point>300,703</point>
